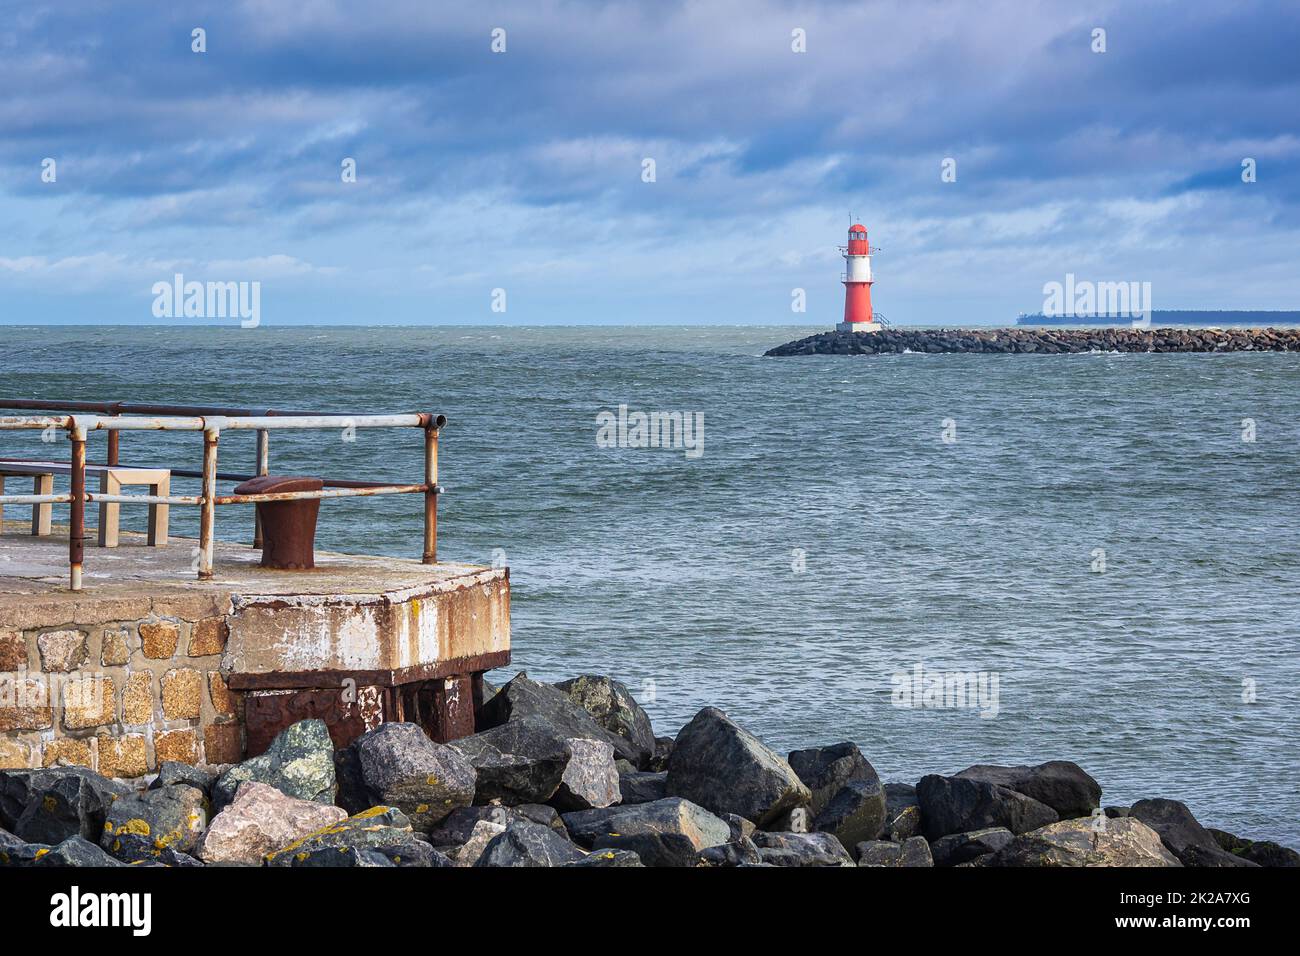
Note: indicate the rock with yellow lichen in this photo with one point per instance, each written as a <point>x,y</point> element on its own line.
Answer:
<point>397,765</point>
<point>261,821</point>
<point>385,830</point>
<point>141,826</point>
<point>48,806</point>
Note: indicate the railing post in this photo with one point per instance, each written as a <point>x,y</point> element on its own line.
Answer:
<point>207,519</point>
<point>77,522</point>
<point>431,494</point>
<point>263,468</point>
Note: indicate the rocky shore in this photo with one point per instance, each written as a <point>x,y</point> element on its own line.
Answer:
<point>572,774</point>
<point>1043,341</point>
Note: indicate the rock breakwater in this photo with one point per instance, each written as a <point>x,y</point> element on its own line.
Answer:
<point>1056,341</point>
<point>572,775</point>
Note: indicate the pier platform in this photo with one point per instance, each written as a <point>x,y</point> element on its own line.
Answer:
<point>148,663</point>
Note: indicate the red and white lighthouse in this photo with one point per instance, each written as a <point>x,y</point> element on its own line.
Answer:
<point>857,283</point>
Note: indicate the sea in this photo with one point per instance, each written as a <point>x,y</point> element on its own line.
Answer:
<point>1100,551</point>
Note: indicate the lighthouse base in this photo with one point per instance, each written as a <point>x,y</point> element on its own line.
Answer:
<point>858,327</point>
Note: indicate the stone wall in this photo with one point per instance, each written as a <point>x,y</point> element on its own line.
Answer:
<point>117,686</point>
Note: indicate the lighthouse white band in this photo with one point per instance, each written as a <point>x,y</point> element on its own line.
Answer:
<point>859,268</point>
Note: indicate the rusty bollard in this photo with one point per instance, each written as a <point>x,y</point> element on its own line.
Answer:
<point>288,527</point>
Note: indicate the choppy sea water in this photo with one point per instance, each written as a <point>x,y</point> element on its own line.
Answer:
<point>1174,671</point>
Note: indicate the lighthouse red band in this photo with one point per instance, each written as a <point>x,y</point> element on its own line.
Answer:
<point>857,283</point>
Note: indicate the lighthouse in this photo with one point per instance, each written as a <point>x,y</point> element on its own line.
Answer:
<point>857,283</point>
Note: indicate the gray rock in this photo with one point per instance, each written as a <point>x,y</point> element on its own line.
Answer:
<point>299,762</point>
<point>75,851</point>
<point>913,852</point>
<point>737,853</point>
<point>609,858</point>
<point>522,761</point>
<point>963,847</point>
<point>642,787</point>
<point>48,806</point>
<point>826,770</point>
<point>612,706</point>
<point>523,697</point>
<point>740,827</point>
<point>725,769</point>
<point>590,778</point>
<point>1183,835</point>
<point>484,832</point>
<point>668,832</point>
<point>959,805</point>
<point>401,767</point>
<point>525,844</point>
<point>1261,852</point>
<point>459,825</point>
<point>1082,842</point>
<point>902,812</point>
<point>347,856</point>
<point>173,771</point>
<point>1060,784</point>
<point>855,814</point>
<point>801,849</point>
<point>140,826</point>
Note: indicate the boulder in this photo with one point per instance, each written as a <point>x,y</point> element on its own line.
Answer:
<point>173,771</point>
<point>902,812</point>
<point>140,826</point>
<point>1182,834</point>
<point>737,853</point>
<point>75,851</point>
<point>484,832</point>
<point>912,852</point>
<point>1060,784</point>
<point>964,847</point>
<point>524,843</point>
<point>590,778</point>
<point>668,832</point>
<point>299,762</point>
<point>801,849</point>
<point>385,829</point>
<point>347,856</point>
<point>959,805</point>
<point>523,697</point>
<point>826,770</point>
<point>48,806</point>
<point>520,762</point>
<point>1082,842</point>
<point>855,814</point>
<point>399,766</point>
<point>725,769</point>
<point>459,825</point>
<point>1263,852</point>
<point>642,787</point>
<point>261,820</point>
<point>612,706</point>
<point>609,858</point>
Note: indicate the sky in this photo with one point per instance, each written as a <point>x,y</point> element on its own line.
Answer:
<point>501,153</point>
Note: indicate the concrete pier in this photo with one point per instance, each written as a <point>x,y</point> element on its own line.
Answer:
<point>148,663</point>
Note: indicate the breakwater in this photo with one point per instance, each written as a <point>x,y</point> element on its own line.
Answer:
<point>1021,341</point>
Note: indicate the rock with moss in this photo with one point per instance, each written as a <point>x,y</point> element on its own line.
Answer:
<point>299,762</point>
<point>141,826</point>
<point>612,706</point>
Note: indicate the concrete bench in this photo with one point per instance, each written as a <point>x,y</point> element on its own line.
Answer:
<point>111,480</point>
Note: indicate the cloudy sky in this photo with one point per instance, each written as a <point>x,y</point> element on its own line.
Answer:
<point>522,170</point>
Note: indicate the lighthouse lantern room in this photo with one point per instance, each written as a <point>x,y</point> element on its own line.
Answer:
<point>857,283</point>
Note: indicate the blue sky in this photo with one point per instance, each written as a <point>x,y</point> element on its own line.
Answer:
<point>522,170</point>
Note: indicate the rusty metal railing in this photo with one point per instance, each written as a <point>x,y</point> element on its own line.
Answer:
<point>117,417</point>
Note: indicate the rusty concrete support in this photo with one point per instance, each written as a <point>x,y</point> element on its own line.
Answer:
<point>77,522</point>
<point>207,520</point>
<point>431,494</point>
